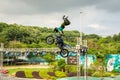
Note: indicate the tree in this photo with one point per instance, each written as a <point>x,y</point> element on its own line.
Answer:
<point>3,26</point>
<point>92,36</point>
<point>116,37</point>
<point>48,57</point>
<point>12,33</point>
<point>61,64</point>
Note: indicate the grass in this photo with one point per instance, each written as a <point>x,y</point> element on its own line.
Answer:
<point>28,72</point>
<point>12,71</point>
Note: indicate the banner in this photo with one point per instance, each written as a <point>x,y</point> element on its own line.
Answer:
<point>113,62</point>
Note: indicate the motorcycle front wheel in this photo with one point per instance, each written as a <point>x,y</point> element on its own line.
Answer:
<point>64,53</point>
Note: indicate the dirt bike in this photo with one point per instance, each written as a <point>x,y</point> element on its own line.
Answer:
<point>63,49</point>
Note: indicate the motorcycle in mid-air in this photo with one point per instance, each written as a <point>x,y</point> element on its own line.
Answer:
<point>59,42</point>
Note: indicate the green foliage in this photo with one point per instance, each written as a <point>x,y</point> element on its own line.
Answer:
<point>3,26</point>
<point>114,71</point>
<point>96,74</point>
<point>61,64</point>
<point>91,70</point>
<point>11,71</point>
<point>60,74</point>
<point>30,55</point>
<point>17,44</point>
<point>28,73</point>
<point>107,74</point>
<point>100,55</point>
<point>72,68</point>
<point>19,36</point>
<point>34,45</point>
<point>92,51</point>
<point>44,74</point>
<point>48,57</point>
<point>104,74</point>
<point>116,37</point>
<point>91,36</point>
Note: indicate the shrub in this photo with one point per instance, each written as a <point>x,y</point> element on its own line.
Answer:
<point>28,74</point>
<point>46,76</point>
<point>104,74</point>
<point>96,74</point>
<point>60,74</point>
<point>61,64</point>
<point>70,68</point>
<point>114,71</point>
<point>90,71</point>
<point>112,75</point>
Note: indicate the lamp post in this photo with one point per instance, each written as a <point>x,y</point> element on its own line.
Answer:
<point>78,47</point>
<point>81,49</point>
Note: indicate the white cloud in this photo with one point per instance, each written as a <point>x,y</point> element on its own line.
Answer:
<point>99,16</point>
<point>97,27</point>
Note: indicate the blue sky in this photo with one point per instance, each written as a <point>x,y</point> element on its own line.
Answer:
<point>100,17</point>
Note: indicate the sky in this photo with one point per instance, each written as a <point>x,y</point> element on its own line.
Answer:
<point>100,17</point>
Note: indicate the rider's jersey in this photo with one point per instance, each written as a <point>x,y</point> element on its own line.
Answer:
<point>60,28</point>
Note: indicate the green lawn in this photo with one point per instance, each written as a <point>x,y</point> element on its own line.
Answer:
<point>12,71</point>
<point>42,72</point>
